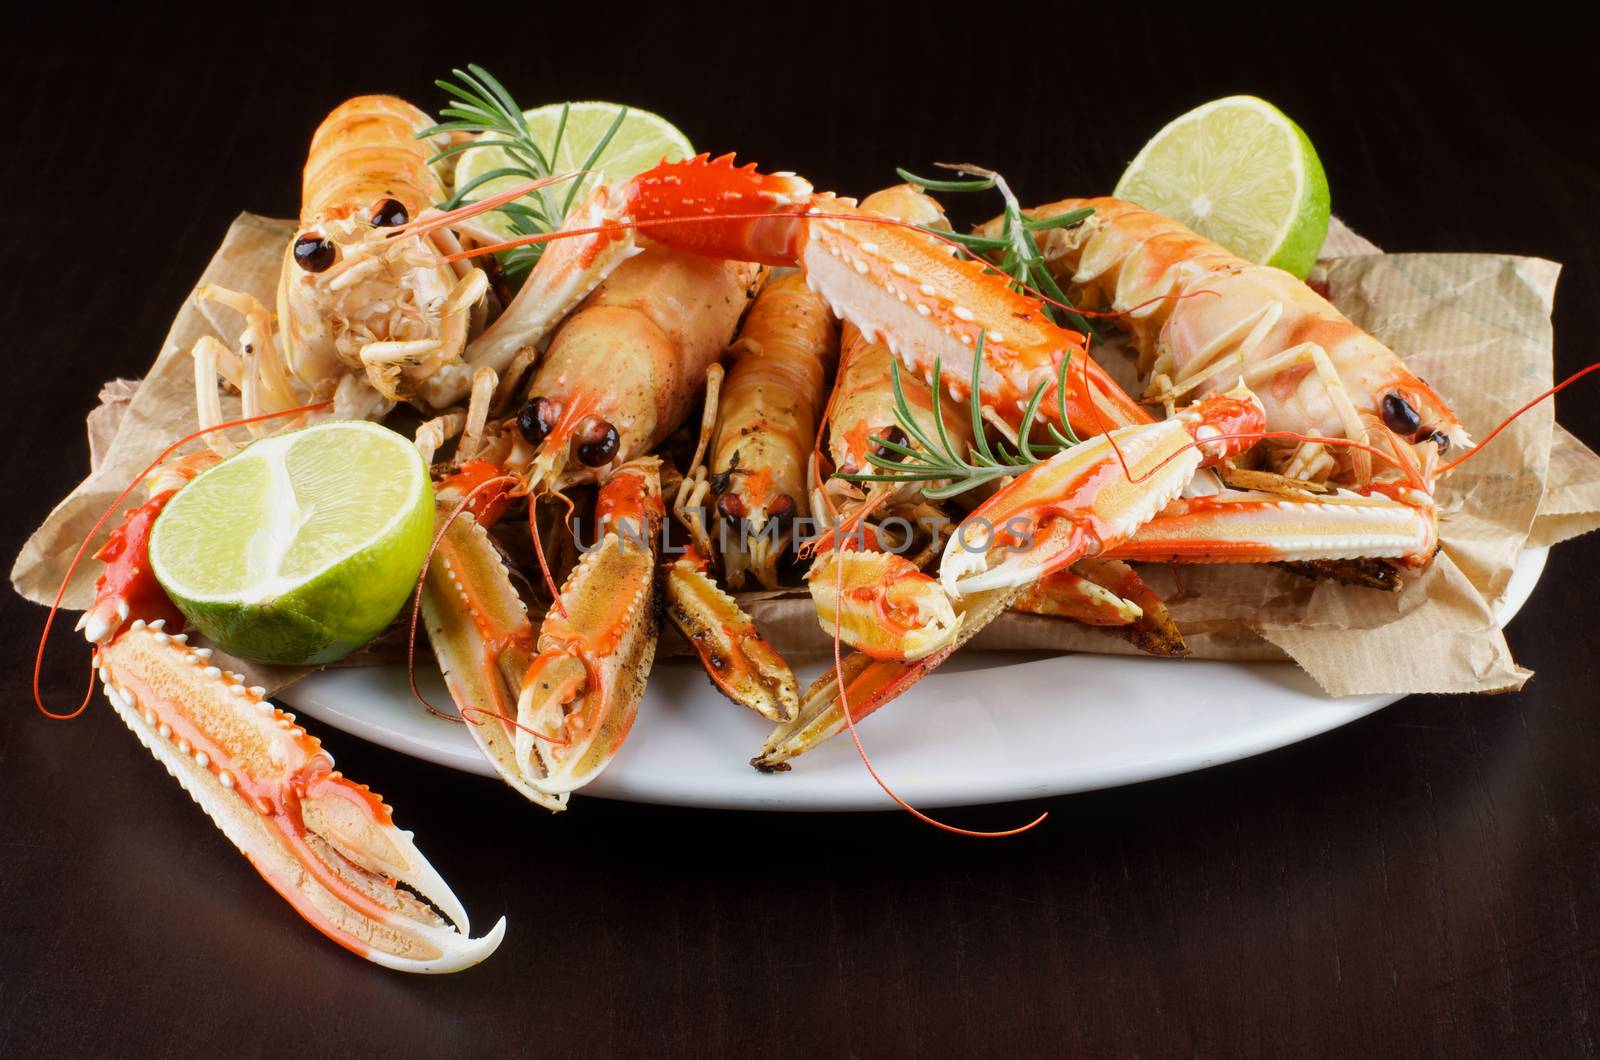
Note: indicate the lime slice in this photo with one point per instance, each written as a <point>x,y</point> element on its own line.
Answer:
<point>1240,173</point>
<point>642,140</point>
<point>303,546</point>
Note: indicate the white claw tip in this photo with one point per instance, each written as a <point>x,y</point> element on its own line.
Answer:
<point>97,626</point>
<point>460,952</point>
<point>957,563</point>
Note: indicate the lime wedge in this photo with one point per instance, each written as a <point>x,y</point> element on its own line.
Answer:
<point>1240,173</point>
<point>642,140</point>
<point>303,546</point>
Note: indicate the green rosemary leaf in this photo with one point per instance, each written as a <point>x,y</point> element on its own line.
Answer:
<point>1046,283</point>
<point>483,178</point>
<point>479,104</point>
<point>960,486</point>
<point>469,108</point>
<point>899,467</point>
<point>501,96</point>
<point>456,149</point>
<point>555,149</point>
<point>464,125</point>
<point>967,241</point>
<point>529,210</point>
<point>1019,258</point>
<point>893,447</point>
<point>1061,403</point>
<point>594,155</point>
<point>475,99</point>
<point>459,93</point>
<point>561,129</point>
<point>980,184</point>
<point>1060,220</point>
<point>915,477</point>
<point>1025,431</point>
<point>991,459</point>
<point>902,411</point>
<point>948,447</point>
<point>517,263</point>
<point>975,400</point>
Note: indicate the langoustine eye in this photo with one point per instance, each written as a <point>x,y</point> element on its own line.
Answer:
<point>389,213</point>
<point>597,443</point>
<point>894,436</point>
<point>537,419</point>
<point>782,511</point>
<point>313,253</point>
<point>1399,415</point>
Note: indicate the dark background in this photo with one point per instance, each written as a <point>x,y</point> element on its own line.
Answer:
<point>1426,880</point>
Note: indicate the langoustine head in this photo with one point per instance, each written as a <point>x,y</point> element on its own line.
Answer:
<point>1202,318</point>
<point>1314,371</point>
<point>363,288</point>
<point>627,367</point>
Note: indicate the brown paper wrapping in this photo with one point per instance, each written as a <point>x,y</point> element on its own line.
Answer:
<point>1476,326</point>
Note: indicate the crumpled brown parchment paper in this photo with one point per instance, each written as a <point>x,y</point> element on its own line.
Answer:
<point>1476,326</point>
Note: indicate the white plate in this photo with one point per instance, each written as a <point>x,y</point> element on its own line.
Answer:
<point>987,727</point>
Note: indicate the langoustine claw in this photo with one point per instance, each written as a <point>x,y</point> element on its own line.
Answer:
<point>891,280</point>
<point>1093,496</point>
<point>622,372</point>
<point>879,602</point>
<point>886,607</point>
<point>739,661</point>
<point>329,846</point>
<point>1073,506</point>
<point>582,688</point>
<point>479,628</point>
<point>1203,319</point>
<point>1110,593</point>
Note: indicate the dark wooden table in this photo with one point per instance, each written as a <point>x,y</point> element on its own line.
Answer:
<point>1426,880</point>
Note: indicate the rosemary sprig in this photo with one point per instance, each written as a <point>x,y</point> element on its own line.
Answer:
<point>481,106</point>
<point>934,457</point>
<point>1015,251</point>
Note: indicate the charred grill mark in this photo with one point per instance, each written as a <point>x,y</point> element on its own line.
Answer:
<point>1380,574</point>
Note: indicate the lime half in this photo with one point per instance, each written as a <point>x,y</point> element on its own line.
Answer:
<point>302,547</point>
<point>642,140</point>
<point>1240,173</point>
